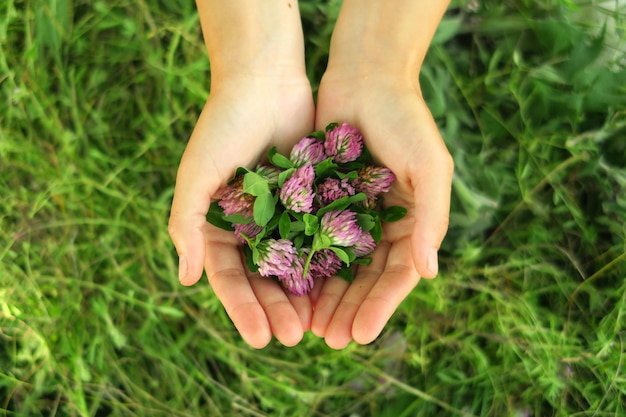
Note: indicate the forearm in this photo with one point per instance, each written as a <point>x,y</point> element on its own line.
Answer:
<point>252,37</point>
<point>388,36</point>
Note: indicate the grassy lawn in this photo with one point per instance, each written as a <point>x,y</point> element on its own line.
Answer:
<point>527,317</point>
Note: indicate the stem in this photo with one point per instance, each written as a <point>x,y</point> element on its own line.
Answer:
<point>315,246</point>
<point>307,263</point>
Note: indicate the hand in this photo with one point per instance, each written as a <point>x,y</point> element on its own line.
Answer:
<point>401,134</point>
<point>242,119</point>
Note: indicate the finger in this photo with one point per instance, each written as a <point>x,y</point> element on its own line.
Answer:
<point>314,295</point>
<point>432,182</point>
<point>332,290</point>
<point>230,283</point>
<point>395,283</point>
<point>282,316</point>
<point>339,331</point>
<point>192,198</point>
<point>186,229</point>
<point>304,309</point>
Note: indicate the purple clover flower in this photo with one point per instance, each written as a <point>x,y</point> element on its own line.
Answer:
<point>250,229</point>
<point>343,143</point>
<point>297,192</point>
<point>233,200</point>
<point>307,150</point>
<point>364,246</point>
<point>333,189</point>
<point>372,181</point>
<point>324,263</point>
<point>341,227</point>
<point>270,173</point>
<point>280,258</point>
<point>276,257</point>
<point>295,282</point>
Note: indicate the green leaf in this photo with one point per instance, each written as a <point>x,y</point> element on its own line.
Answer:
<point>377,231</point>
<point>311,224</point>
<point>357,197</point>
<point>352,175</point>
<point>215,216</point>
<point>297,216</point>
<point>365,221</point>
<point>284,225</point>
<point>346,274</point>
<point>273,224</point>
<point>318,134</point>
<point>255,184</point>
<point>251,257</point>
<point>342,254</point>
<point>352,166</point>
<point>298,241</point>
<point>263,209</point>
<point>278,160</point>
<point>324,168</point>
<point>393,214</point>
<point>237,218</point>
<point>362,161</point>
<point>342,203</point>
<point>363,261</point>
<point>338,204</point>
<point>351,254</point>
<point>284,175</point>
<point>320,241</point>
<point>331,126</point>
<point>297,226</point>
<point>240,172</point>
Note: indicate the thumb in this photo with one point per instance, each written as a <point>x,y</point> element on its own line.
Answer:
<point>187,223</point>
<point>432,182</point>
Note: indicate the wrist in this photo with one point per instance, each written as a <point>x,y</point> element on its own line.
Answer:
<point>375,37</point>
<point>258,38</point>
<point>363,82</point>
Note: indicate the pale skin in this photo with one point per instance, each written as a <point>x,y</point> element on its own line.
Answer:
<point>260,97</point>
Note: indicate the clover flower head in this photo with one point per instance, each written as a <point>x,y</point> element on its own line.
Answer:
<point>307,150</point>
<point>341,227</point>
<point>364,246</point>
<point>324,263</point>
<point>234,201</point>
<point>294,281</point>
<point>333,189</point>
<point>324,171</point>
<point>297,192</point>
<point>250,230</point>
<point>343,143</point>
<point>269,172</point>
<point>372,181</point>
<point>277,257</point>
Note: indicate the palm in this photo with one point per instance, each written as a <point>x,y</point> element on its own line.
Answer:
<point>236,127</point>
<point>402,135</point>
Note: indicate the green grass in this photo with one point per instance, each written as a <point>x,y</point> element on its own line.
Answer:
<point>97,100</point>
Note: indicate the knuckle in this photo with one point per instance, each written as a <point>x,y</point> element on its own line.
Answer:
<point>173,227</point>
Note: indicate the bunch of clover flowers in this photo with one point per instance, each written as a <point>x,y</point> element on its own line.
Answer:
<point>311,215</point>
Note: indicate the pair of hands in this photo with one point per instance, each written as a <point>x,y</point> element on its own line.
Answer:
<point>241,120</point>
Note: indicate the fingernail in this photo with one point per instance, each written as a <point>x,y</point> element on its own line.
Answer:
<point>182,267</point>
<point>431,262</point>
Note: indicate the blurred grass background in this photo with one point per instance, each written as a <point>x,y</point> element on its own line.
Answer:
<point>97,100</point>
